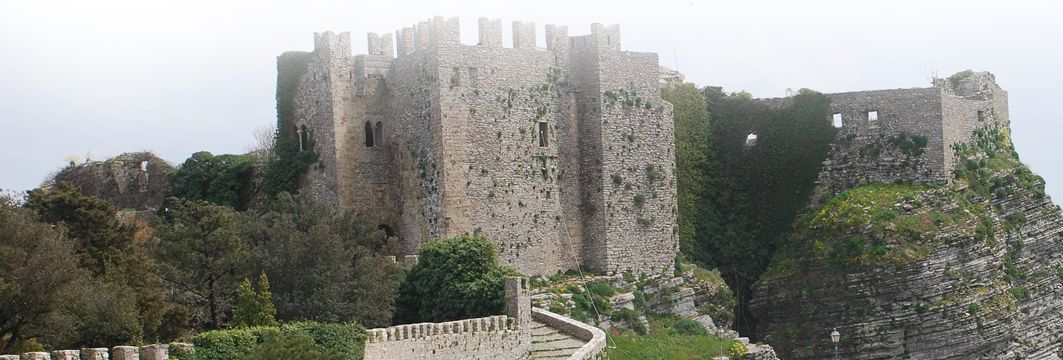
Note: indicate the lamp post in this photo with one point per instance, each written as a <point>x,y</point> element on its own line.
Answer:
<point>834,337</point>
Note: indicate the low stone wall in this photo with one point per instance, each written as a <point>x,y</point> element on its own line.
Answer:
<point>148,352</point>
<point>595,337</point>
<point>493,337</point>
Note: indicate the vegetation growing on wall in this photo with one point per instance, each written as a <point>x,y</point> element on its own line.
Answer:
<point>736,200</point>
<point>289,161</point>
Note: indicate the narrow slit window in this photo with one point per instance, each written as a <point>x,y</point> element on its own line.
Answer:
<point>836,120</point>
<point>455,79</point>
<point>368,134</point>
<point>543,135</point>
<point>304,137</point>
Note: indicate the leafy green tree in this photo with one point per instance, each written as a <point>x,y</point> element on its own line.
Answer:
<point>37,278</point>
<point>202,256</point>
<point>323,266</point>
<point>254,307</point>
<point>219,179</point>
<point>109,250</point>
<point>455,278</point>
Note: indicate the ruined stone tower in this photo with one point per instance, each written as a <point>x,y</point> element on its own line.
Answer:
<point>560,156</point>
<point>907,135</point>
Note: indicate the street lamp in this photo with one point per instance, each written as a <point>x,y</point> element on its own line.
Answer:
<point>834,337</point>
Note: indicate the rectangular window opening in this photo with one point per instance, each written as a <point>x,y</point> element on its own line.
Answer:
<point>543,135</point>
<point>474,75</point>
<point>981,116</point>
<point>455,78</point>
<point>836,120</point>
<point>872,115</point>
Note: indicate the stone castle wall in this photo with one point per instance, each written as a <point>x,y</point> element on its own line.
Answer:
<point>886,151</point>
<point>461,150</point>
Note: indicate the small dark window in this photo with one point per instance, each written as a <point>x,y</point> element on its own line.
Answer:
<point>368,134</point>
<point>981,115</point>
<point>379,133</point>
<point>474,75</point>
<point>543,135</point>
<point>836,120</point>
<point>304,137</point>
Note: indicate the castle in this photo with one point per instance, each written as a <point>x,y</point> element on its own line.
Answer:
<point>563,156</point>
<point>908,135</point>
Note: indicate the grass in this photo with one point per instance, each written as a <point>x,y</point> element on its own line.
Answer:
<point>663,342</point>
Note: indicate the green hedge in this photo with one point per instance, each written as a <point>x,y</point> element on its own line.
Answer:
<point>347,340</point>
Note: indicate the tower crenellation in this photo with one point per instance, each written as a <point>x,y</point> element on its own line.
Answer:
<point>490,32</point>
<point>523,35</point>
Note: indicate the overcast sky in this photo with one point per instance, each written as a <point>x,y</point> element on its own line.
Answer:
<point>104,77</point>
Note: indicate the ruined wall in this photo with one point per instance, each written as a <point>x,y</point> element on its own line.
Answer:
<point>884,150</point>
<point>137,181</point>
<point>867,151</point>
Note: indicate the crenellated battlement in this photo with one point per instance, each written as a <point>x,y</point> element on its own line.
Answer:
<point>499,323</point>
<point>331,43</point>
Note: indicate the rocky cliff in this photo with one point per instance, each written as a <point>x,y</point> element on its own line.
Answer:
<point>971,270</point>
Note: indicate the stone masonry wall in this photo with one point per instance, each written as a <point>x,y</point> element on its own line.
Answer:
<point>863,151</point>
<point>462,149</point>
<point>495,337</point>
<point>945,114</point>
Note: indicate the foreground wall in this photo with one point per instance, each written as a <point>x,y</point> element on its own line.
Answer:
<point>495,337</point>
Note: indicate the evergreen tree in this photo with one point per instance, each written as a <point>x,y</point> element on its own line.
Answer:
<point>254,308</point>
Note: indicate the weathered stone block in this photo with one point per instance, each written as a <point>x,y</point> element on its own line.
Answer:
<point>154,352</point>
<point>94,354</point>
<point>35,356</point>
<point>66,355</point>
<point>9,357</point>
<point>125,353</point>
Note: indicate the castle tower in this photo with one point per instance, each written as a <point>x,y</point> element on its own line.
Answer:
<point>519,144</point>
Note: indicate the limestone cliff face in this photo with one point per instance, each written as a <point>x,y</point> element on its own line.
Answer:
<point>131,181</point>
<point>972,270</point>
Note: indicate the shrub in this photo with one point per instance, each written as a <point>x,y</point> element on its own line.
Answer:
<point>330,341</point>
<point>293,347</point>
<point>455,278</point>
<point>688,327</point>
<point>737,350</point>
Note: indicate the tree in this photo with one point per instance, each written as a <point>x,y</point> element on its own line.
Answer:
<point>221,179</point>
<point>323,266</point>
<point>254,308</point>
<point>455,278</point>
<point>37,277</point>
<point>109,250</point>
<point>202,255</point>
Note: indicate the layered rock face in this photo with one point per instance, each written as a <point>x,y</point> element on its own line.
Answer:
<point>970,270</point>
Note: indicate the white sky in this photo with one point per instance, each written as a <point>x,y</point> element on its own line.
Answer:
<point>175,77</point>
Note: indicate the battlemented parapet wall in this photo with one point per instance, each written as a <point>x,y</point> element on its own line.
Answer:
<point>907,135</point>
<point>493,337</point>
<point>561,155</point>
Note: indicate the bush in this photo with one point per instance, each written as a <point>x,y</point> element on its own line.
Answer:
<point>330,341</point>
<point>455,278</point>
<point>688,327</point>
<point>222,179</point>
<point>294,347</point>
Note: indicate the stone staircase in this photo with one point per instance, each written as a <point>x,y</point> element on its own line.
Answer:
<point>549,343</point>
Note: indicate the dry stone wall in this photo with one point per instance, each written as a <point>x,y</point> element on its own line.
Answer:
<point>517,144</point>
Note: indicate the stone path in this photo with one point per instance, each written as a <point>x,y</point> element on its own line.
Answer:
<point>548,343</point>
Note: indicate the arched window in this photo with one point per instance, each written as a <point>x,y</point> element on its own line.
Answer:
<point>751,139</point>
<point>368,134</point>
<point>304,137</point>
<point>379,133</point>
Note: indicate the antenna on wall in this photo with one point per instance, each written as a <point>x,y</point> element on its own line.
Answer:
<point>675,58</point>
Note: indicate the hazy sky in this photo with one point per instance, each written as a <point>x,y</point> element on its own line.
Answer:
<point>175,77</point>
